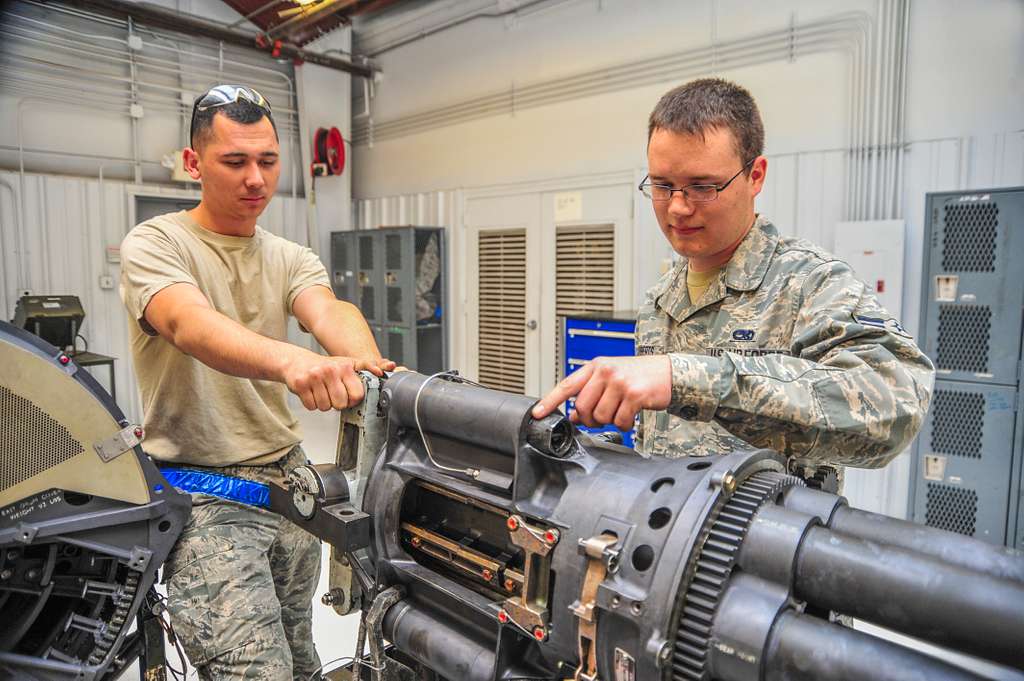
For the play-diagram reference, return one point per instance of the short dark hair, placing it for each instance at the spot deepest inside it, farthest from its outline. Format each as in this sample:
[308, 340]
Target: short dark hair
[706, 103]
[241, 111]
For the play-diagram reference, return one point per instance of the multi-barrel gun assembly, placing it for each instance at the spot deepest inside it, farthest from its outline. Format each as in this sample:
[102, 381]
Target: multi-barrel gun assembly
[483, 544]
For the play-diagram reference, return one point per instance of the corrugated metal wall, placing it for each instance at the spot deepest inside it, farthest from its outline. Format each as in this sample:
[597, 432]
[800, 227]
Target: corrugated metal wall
[60, 248]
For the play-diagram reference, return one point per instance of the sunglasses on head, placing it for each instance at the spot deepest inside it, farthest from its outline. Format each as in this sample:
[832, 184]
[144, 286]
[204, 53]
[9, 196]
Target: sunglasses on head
[222, 95]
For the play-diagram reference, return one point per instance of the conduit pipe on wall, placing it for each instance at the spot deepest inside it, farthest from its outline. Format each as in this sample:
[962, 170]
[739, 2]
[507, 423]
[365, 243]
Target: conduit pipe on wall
[287, 123]
[841, 32]
[52, 38]
[878, 61]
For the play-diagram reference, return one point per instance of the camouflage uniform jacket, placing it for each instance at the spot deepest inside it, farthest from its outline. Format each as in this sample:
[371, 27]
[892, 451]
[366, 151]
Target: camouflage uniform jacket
[786, 350]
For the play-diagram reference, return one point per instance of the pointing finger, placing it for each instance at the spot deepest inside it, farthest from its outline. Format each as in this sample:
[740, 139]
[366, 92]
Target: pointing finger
[568, 387]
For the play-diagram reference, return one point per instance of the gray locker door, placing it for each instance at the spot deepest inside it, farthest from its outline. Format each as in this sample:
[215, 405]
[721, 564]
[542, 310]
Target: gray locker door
[966, 446]
[973, 295]
[343, 267]
[369, 275]
[401, 344]
[399, 277]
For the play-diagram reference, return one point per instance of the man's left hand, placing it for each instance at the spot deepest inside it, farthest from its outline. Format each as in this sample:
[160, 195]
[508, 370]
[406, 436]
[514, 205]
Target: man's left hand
[613, 390]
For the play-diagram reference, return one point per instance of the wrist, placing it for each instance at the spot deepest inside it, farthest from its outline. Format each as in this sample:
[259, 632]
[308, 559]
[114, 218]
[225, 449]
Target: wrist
[285, 360]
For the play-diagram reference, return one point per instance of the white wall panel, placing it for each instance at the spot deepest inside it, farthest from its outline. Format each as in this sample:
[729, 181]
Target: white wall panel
[60, 248]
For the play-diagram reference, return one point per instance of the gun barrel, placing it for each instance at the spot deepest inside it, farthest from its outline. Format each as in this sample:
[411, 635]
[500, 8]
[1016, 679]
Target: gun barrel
[949, 547]
[912, 593]
[807, 648]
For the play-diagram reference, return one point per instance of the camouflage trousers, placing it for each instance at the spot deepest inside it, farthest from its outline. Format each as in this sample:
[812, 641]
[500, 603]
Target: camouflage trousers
[240, 584]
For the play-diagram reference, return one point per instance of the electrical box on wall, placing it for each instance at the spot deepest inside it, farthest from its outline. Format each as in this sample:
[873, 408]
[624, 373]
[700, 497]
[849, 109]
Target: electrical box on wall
[875, 249]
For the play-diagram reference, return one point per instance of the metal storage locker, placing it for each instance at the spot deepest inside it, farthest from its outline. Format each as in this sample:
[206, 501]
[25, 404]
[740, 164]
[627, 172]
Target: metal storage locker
[378, 271]
[968, 455]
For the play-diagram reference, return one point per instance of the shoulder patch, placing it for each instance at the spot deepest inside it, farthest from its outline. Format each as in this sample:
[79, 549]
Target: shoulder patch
[891, 324]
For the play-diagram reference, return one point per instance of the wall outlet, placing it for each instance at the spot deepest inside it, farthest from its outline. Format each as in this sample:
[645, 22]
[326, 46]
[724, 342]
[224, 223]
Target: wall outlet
[106, 281]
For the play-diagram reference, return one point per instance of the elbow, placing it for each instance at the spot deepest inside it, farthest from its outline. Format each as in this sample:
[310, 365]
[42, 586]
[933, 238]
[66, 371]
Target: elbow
[883, 439]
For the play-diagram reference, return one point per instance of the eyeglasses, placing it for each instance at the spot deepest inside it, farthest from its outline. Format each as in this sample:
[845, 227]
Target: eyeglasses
[695, 192]
[222, 95]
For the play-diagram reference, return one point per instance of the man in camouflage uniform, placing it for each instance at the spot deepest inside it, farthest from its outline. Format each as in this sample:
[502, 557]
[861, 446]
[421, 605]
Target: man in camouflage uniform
[752, 339]
[209, 293]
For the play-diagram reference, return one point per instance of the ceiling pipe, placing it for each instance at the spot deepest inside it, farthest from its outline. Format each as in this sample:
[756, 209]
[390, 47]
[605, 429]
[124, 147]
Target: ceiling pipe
[306, 17]
[158, 17]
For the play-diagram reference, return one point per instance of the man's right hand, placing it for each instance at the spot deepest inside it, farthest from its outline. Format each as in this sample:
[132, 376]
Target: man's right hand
[327, 383]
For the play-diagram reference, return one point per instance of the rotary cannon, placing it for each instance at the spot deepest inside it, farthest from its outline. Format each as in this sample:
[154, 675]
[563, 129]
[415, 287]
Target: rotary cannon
[507, 548]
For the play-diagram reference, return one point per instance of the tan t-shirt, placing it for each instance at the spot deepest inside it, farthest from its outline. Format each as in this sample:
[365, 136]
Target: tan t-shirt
[195, 414]
[699, 282]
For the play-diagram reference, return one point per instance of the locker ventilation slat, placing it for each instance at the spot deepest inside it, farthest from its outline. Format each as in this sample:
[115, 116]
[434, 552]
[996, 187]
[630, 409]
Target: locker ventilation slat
[951, 508]
[502, 319]
[963, 337]
[958, 420]
[970, 237]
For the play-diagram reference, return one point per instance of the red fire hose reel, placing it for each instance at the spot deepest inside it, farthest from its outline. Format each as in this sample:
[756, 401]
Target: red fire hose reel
[328, 152]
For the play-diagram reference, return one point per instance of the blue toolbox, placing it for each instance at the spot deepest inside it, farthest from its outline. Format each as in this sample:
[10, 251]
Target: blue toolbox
[601, 334]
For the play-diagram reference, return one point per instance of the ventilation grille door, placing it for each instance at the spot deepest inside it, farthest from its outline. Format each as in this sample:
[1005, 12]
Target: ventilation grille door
[584, 276]
[962, 480]
[972, 285]
[502, 318]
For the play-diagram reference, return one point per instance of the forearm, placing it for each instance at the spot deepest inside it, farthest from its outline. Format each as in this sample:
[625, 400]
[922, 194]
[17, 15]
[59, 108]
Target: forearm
[343, 331]
[225, 345]
[861, 407]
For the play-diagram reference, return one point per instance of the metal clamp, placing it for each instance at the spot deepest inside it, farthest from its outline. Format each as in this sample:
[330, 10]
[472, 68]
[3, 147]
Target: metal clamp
[528, 610]
[602, 558]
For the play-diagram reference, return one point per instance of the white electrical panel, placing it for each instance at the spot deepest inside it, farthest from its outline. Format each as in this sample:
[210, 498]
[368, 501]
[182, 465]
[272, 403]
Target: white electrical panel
[874, 249]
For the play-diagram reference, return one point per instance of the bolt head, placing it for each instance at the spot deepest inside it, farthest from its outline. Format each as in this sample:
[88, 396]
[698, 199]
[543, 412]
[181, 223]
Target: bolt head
[487, 575]
[64, 359]
[139, 432]
[503, 617]
[510, 584]
[551, 536]
[416, 541]
[540, 633]
[512, 523]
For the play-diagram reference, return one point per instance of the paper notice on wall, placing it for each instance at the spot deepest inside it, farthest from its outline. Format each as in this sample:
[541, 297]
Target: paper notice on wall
[568, 207]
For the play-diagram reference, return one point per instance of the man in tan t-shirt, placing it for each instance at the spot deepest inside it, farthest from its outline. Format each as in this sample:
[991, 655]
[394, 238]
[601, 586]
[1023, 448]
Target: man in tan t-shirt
[210, 293]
